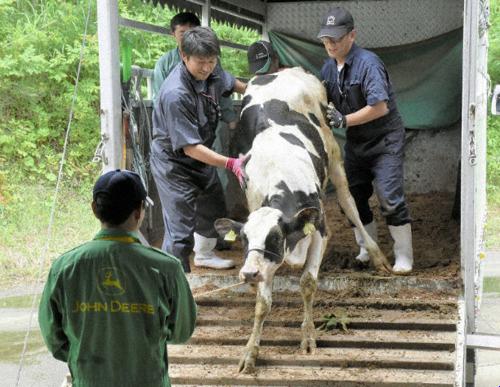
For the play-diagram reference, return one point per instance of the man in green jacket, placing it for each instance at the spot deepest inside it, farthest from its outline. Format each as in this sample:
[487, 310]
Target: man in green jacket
[110, 306]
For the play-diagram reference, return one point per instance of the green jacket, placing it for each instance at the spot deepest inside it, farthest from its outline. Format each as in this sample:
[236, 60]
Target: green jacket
[165, 65]
[110, 306]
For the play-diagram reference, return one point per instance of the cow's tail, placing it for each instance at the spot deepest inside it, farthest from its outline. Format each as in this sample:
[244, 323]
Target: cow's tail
[348, 205]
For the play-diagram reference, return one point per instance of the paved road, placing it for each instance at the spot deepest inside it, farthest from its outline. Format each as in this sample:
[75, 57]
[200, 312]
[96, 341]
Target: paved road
[488, 372]
[491, 264]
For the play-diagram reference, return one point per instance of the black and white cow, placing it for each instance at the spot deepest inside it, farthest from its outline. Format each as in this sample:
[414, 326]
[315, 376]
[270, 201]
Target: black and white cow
[290, 161]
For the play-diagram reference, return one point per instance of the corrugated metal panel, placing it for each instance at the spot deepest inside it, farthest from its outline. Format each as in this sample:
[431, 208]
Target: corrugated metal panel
[380, 23]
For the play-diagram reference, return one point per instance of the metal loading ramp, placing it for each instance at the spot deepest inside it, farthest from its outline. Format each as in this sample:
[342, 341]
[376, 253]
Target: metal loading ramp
[390, 340]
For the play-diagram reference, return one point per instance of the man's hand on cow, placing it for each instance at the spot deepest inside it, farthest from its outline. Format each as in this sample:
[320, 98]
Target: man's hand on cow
[335, 118]
[237, 167]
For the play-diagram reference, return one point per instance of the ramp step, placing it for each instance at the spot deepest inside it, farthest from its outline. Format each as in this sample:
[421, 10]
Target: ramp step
[353, 323]
[227, 375]
[427, 340]
[323, 357]
[373, 303]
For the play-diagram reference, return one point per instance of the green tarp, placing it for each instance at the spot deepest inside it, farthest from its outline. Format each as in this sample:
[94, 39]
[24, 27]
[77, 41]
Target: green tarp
[427, 76]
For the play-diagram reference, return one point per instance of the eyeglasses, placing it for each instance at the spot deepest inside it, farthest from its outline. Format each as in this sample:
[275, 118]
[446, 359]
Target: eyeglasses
[329, 40]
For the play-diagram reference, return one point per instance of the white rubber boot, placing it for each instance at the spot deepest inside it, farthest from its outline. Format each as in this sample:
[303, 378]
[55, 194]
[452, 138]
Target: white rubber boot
[204, 255]
[371, 229]
[403, 248]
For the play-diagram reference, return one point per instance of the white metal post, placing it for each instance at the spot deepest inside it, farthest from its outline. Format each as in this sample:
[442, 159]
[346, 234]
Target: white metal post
[265, 30]
[110, 89]
[473, 172]
[205, 14]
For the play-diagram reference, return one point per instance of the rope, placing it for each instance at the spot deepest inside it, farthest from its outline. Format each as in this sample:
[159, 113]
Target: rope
[219, 289]
[54, 201]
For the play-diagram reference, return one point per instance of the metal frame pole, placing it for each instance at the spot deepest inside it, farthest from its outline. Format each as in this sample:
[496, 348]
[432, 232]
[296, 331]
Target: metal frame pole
[206, 13]
[473, 173]
[110, 88]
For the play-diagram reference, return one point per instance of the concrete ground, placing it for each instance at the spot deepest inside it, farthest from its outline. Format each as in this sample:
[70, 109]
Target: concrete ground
[488, 362]
[41, 370]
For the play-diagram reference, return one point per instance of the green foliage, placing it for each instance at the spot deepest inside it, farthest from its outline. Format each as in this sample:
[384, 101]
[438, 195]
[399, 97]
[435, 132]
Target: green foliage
[148, 48]
[330, 321]
[24, 223]
[494, 42]
[493, 145]
[38, 63]
[491, 285]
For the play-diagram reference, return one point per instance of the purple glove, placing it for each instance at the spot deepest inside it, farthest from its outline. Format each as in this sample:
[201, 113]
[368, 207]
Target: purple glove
[236, 166]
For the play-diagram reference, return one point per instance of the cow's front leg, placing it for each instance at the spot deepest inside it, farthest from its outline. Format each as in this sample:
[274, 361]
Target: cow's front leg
[262, 308]
[308, 286]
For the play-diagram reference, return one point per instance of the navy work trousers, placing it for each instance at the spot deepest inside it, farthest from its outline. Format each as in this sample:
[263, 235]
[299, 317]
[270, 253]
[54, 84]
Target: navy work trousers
[378, 163]
[191, 201]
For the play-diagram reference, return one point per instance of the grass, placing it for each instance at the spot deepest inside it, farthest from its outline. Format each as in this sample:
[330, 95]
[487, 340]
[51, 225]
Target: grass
[492, 236]
[11, 346]
[24, 221]
[16, 302]
[491, 285]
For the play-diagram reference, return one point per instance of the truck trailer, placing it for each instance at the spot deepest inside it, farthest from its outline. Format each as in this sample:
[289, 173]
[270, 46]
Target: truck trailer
[416, 330]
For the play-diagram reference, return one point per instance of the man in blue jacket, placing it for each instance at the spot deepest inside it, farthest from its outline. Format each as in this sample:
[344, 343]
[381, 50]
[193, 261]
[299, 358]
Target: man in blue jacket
[363, 102]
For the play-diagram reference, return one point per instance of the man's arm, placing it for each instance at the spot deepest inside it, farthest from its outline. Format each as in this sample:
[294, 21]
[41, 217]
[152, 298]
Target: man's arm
[183, 317]
[239, 86]
[205, 155]
[158, 77]
[50, 321]
[362, 116]
[367, 114]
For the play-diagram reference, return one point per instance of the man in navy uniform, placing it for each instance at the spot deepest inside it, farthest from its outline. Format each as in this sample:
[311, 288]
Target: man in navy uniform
[185, 117]
[363, 102]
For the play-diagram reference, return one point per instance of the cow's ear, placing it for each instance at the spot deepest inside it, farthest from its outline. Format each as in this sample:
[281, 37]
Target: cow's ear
[304, 220]
[228, 228]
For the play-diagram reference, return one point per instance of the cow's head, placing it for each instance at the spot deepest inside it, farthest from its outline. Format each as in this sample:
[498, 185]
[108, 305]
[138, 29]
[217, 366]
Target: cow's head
[267, 237]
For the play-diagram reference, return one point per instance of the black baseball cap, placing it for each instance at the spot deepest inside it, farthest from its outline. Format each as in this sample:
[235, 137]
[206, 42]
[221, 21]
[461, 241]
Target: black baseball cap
[260, 56]
[336, 23]
[122, 187]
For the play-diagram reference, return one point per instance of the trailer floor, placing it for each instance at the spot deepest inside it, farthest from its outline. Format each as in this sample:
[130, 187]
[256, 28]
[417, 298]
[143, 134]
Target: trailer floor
[401, 331]
[436, 240]
[389, 341]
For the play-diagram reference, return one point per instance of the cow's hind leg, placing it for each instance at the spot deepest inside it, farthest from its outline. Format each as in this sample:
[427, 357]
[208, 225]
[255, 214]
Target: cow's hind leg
[308, 286]
[262, 308]
[349, 207]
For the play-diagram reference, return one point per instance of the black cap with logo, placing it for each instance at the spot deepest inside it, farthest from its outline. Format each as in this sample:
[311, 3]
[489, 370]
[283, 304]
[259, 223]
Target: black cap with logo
[336, 23]
[122, 187]
[260, 55]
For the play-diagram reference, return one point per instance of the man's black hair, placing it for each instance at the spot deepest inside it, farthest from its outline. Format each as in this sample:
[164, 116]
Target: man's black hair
[112, 212]
[184, 18]
[200, 41]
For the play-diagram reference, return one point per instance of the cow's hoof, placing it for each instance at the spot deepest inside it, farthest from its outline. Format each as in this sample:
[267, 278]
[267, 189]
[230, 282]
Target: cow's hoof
[382, 265]
[247, 365]
[308, 346]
